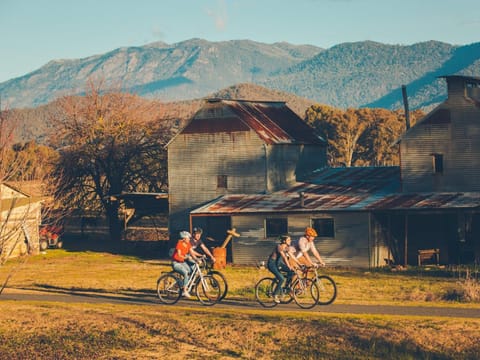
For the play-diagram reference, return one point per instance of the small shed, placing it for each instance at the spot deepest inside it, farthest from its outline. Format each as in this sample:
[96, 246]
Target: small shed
[334, 201]
[20, 219]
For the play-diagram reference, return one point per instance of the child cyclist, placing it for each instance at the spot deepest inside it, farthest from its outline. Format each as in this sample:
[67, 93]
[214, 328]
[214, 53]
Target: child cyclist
[279, 262]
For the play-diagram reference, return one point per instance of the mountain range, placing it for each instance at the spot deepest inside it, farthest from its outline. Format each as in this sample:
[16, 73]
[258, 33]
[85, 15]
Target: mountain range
[360, 74]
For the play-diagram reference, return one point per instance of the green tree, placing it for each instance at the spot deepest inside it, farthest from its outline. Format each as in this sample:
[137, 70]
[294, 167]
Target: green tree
[342, 129]
[360, 137]
[110, 142]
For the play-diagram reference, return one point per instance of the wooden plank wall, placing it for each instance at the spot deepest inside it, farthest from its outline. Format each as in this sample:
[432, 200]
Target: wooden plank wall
[350, 247]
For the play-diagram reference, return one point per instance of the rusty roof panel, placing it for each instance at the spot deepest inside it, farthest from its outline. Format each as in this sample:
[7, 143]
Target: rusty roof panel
[215, 125]
[427, 201]
[280, 119]
[274, 122]
[341, 189]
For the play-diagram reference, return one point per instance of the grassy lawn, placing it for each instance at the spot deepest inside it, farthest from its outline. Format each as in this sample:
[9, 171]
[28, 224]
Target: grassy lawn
[35, 330]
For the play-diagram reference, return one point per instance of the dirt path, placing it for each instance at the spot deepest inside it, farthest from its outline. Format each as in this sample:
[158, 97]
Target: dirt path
[428, 311]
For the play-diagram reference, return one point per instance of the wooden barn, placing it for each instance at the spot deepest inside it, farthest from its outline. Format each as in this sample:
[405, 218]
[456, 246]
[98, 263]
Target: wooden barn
[20, 218]
[232, 147]
[229, 169]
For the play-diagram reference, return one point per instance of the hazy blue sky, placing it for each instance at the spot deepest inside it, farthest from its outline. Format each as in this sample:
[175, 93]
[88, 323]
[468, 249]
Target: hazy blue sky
[33, 32]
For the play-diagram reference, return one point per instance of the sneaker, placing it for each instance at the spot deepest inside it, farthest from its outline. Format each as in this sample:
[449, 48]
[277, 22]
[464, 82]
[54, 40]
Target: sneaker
[276, 299]
[186, 294]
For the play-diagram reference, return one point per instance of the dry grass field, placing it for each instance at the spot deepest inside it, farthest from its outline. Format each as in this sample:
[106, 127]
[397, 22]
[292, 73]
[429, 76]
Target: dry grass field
[53, 330]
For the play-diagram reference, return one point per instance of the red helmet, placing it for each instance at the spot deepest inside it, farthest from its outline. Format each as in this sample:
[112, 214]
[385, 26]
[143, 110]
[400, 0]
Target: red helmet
[310, 232]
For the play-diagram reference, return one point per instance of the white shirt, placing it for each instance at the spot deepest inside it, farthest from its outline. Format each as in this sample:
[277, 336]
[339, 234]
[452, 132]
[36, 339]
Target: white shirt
[302, 246]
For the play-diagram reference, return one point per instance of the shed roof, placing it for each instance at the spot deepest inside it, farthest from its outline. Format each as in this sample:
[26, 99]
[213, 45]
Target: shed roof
[340, 189]
[7, 205]
[273, 121]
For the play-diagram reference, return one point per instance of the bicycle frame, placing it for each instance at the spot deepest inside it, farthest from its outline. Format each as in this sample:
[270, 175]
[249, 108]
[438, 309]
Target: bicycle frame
[326, 285]
[205, 287]
[203, 284]
[194, 276]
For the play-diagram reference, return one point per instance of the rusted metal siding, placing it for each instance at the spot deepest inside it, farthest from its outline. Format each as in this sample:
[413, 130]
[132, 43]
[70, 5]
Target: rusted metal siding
[349, 247]
[195, 161]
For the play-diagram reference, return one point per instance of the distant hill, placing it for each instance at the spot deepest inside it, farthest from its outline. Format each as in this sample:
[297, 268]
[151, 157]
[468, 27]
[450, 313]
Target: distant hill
[361, 74]
[182, 71]
[34, 122]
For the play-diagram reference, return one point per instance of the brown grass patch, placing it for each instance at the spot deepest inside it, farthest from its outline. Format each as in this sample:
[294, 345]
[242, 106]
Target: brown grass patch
[80, 331]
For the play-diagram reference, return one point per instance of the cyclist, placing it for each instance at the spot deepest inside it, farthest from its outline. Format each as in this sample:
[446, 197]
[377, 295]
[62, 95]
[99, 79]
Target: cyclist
[197, 242]
[181, 257]
[306, 244]
[278, 262]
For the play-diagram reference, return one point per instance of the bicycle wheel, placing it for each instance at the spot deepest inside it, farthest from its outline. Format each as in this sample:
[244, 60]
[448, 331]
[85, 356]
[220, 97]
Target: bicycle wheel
[264, 292]
[208, 290]
[305, 293]
[327, 288]
[222, 282]
[168, 288]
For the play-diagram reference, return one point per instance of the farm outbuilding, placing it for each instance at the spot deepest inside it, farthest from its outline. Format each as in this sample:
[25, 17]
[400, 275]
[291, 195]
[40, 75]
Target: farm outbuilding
[228, 170]
[20, 219]
[237, 146]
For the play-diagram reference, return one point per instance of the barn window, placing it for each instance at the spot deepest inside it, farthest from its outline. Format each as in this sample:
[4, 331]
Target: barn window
[437, 163]
[324, 227]
[275, 227]
[222, 181]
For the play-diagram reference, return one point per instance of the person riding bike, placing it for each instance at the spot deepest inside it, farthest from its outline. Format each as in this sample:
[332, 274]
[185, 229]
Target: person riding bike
[306, 244]
[278, 262]
[196, 241]
[183, 254]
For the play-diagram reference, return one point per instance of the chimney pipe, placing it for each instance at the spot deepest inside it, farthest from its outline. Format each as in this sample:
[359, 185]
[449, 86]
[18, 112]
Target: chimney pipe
[302, 199]
[405, 105]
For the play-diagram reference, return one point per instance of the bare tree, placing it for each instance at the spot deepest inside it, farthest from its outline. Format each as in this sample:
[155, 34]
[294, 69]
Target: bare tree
[19, 211]
[109, 143]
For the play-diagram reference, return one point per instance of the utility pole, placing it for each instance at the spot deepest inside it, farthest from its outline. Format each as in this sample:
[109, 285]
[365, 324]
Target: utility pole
[405, 105]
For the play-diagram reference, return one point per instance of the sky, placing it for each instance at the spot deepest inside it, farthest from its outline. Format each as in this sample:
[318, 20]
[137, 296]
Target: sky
[33, 32]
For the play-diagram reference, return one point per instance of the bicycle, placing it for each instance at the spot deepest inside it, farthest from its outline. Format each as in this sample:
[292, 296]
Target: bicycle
[207, 267]
[326, 285]
[207, 288]
[303, 290]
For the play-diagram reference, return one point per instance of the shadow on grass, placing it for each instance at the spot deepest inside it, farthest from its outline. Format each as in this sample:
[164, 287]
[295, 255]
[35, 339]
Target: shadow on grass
[144, 250]
[137, 295]
[145, 296]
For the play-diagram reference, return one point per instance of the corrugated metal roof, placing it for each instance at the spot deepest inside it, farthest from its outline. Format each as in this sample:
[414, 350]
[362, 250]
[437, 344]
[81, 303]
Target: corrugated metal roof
[341, 189]
[419, 201]
[274, 122]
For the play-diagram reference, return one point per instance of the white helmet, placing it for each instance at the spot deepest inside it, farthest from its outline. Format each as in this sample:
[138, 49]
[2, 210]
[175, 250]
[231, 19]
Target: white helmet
[185, 234]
